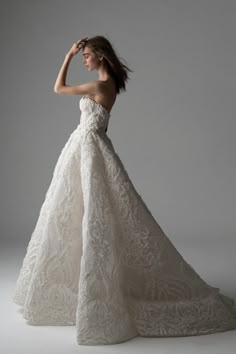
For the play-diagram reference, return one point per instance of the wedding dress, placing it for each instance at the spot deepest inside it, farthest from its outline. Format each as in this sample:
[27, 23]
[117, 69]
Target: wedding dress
[97, 259]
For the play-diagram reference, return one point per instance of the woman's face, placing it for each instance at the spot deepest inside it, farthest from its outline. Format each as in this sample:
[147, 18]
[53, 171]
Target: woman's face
[89, 59]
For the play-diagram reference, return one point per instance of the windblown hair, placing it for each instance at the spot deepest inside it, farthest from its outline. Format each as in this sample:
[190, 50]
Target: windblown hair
[113, 64]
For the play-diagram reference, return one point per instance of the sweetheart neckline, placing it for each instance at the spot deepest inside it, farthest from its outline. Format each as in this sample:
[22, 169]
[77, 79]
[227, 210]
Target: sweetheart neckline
[99, 104]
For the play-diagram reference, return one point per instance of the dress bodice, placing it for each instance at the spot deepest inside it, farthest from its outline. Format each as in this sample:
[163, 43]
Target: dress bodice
[94, 116]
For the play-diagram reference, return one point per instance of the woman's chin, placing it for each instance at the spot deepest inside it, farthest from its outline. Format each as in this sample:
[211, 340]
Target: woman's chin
[89, 68]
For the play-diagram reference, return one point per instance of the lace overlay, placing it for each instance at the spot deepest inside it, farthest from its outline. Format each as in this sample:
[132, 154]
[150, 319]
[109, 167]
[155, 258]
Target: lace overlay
[98, 259]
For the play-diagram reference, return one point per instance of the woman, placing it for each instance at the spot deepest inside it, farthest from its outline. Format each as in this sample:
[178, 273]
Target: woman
[97, 258]
[99, 55]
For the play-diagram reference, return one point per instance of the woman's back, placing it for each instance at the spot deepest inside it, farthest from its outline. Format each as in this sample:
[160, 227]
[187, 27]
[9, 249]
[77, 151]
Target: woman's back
[106, 95]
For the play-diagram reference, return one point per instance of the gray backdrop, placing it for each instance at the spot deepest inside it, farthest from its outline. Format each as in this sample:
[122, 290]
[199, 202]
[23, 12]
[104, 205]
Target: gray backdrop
[174, 128]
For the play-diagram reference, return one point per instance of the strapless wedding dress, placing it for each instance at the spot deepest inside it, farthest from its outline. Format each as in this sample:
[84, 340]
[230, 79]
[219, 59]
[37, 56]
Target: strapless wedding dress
[97, 259]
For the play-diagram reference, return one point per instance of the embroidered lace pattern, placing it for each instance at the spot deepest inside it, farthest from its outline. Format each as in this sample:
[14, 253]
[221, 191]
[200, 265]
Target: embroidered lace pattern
[97, 259]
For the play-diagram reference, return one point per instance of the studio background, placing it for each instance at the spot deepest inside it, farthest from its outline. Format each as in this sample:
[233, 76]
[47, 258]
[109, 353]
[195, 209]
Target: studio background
[174, 128]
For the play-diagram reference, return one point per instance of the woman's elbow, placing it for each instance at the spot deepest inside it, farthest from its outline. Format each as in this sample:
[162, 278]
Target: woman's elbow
[56, 89]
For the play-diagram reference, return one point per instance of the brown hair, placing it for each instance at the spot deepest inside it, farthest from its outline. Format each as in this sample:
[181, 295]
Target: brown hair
[113, 64]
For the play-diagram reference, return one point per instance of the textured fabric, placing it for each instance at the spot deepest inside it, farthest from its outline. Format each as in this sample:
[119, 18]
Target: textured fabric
[98, 259]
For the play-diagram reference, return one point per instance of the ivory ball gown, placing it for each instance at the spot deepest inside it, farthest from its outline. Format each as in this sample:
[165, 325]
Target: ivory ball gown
[97, 259]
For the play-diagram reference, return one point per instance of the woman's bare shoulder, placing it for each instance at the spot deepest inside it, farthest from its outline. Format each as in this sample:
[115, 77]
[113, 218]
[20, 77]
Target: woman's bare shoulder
[106, 94]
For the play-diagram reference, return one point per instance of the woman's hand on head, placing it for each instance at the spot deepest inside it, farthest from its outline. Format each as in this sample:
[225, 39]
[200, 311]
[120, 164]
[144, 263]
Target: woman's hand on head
[77, 46]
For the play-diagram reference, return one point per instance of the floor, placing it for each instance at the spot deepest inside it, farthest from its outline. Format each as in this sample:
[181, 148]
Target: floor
[216, 266]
